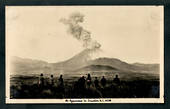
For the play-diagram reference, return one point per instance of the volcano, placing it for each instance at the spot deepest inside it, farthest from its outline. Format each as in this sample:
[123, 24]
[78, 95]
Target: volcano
[81, 62]
[75, 62]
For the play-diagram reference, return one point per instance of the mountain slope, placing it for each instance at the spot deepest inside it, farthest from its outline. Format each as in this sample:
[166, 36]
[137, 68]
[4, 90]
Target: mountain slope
[81, 61]
[97, 68]
[23, 65]
[75, 62]
[123, 66]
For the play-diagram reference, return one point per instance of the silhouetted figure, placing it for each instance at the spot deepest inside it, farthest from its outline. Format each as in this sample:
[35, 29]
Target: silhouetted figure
[61, 80]
[88, 80]
[81, 82]
[41, 80]
[61, 88]
[103, 81]
[96, 82]
[23, 92]
[52, 80]
[116, 80]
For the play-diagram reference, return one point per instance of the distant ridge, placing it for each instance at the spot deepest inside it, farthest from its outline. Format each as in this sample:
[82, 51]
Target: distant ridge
[79, 62]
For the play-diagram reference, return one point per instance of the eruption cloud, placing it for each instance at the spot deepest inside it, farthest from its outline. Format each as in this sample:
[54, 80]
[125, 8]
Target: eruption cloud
[78, 32]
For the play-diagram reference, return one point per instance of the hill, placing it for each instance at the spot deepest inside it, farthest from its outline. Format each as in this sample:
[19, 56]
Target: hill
[97, 68]
[26, 66]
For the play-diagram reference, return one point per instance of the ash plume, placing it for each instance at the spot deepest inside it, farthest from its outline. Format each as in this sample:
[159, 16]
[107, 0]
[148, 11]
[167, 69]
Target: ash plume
[78, 32]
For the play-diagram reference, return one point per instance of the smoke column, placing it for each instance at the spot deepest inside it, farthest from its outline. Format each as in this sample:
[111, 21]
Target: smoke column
[78, 32]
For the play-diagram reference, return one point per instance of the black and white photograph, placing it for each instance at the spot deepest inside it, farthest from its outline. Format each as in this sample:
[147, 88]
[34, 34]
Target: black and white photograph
[84, 54]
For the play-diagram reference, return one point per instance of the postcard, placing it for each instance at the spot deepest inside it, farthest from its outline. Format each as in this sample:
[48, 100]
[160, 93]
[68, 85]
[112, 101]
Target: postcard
[84, 54]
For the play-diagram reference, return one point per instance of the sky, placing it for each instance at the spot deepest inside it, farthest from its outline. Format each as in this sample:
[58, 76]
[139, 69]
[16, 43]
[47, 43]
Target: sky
[129, 33]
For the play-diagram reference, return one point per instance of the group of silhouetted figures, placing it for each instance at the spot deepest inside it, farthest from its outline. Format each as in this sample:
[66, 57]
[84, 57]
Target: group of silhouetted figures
[42, 80]
[83, 87]
[57, 88]
[82, 82]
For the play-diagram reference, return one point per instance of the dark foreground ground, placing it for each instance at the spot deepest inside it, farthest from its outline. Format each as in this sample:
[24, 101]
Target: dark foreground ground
[28, 87]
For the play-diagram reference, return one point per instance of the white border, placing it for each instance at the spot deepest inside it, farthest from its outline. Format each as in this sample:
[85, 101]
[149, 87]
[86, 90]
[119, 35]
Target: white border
[100, 100]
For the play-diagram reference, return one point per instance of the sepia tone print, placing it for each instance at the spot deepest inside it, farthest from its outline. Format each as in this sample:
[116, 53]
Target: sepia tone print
[84, 54]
